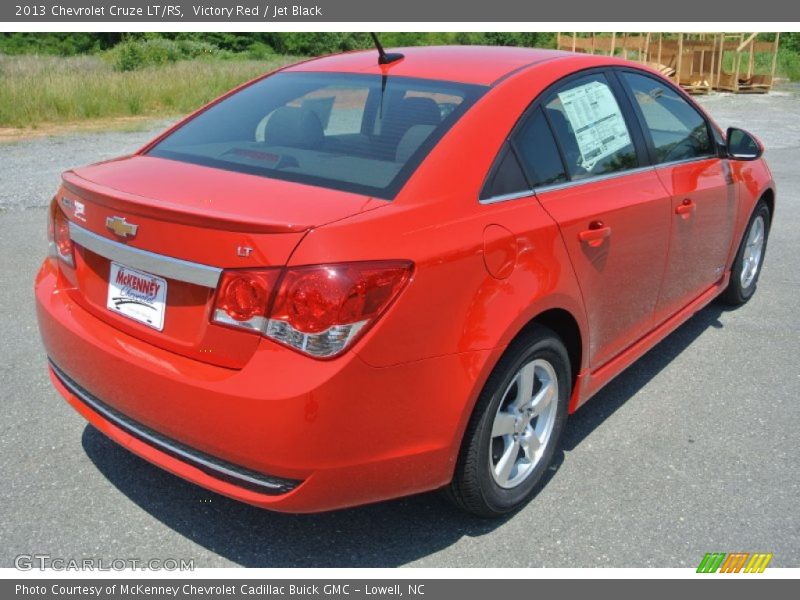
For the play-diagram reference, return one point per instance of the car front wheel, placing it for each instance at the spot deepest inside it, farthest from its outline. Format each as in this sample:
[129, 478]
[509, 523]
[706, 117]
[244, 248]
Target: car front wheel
[747, 264]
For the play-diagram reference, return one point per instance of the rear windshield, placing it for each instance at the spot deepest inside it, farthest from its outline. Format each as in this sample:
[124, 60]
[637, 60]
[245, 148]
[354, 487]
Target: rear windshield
[359, 133]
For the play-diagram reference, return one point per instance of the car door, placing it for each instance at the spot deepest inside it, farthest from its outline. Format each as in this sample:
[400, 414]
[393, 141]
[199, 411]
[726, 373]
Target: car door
[610, 205]
[699, 183]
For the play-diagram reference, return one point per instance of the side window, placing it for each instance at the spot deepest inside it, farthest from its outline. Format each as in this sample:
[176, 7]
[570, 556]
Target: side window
[538, 151]
[506, 177]
[590, 128]
[678, 131]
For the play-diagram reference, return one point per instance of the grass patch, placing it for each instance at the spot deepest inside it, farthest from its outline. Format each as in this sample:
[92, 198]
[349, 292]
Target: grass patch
[153, 78]
[40, 90]
[787, 66]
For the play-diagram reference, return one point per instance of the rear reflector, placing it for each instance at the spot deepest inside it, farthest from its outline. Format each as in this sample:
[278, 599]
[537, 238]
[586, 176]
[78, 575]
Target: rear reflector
[319, 310]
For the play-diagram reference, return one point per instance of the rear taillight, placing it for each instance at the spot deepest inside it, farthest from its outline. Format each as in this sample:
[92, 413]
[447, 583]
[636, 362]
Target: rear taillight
[319, 310]
[243, 298]
[58, 238]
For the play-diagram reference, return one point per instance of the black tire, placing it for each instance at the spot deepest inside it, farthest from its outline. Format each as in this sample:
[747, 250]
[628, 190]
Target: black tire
[473, 487]
[736, 293]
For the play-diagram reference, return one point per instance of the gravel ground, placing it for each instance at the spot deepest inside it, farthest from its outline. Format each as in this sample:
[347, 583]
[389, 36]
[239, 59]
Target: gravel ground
[694, 449]
[35, 166]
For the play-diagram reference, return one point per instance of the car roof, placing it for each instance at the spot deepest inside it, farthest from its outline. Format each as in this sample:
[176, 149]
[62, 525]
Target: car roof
[482, 65]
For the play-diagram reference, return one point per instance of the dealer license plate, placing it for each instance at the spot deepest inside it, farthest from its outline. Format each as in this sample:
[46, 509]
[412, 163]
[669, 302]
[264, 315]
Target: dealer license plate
[137, 295]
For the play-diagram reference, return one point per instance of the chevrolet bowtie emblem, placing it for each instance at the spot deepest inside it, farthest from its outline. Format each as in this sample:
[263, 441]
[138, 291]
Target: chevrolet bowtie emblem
[121, 227]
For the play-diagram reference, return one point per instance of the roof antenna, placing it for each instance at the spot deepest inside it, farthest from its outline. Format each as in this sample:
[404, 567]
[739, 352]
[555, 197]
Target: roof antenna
[383, 57]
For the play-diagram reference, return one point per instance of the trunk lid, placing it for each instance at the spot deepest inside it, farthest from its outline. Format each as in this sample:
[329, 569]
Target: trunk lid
[183, 224]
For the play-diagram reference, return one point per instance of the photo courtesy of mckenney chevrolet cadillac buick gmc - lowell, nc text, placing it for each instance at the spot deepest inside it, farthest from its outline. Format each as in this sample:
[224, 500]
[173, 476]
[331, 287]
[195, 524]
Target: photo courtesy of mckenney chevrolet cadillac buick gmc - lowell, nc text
[375, 274]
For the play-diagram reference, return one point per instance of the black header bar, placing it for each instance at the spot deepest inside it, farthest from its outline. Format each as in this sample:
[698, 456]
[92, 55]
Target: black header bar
[450, 11]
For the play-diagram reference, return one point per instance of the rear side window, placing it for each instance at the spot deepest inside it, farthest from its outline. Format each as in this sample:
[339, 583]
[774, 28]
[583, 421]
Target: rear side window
[677, 130]
[360, 133]
[590, 128]
[538, 151]
[506, 177]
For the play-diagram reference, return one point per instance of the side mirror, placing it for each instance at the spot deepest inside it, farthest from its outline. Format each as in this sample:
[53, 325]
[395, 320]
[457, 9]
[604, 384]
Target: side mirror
[741, 145]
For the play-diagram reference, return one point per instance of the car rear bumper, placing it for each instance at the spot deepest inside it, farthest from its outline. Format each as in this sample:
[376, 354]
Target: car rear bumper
[286, 432]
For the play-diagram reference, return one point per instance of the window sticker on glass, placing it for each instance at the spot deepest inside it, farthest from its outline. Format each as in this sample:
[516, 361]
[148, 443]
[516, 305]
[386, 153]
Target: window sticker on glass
[596, 120]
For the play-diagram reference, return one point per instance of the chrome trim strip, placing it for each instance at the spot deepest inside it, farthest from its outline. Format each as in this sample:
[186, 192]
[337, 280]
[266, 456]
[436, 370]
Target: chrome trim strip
[564, 185]
[577, 182]
[150, 262]
[685, 161]
[595, 178]
[507, 197]
[164, 444]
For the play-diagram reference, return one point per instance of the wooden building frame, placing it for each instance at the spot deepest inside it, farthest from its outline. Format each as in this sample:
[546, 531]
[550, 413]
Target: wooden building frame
[695, 61]
[743, 77]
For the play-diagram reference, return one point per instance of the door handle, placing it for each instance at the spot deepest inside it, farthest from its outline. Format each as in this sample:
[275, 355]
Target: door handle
[595, 235]
[685, 208]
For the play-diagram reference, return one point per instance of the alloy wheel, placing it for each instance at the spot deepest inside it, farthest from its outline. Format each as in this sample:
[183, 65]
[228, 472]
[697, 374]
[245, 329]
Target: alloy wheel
[753, 249]
[523, 423]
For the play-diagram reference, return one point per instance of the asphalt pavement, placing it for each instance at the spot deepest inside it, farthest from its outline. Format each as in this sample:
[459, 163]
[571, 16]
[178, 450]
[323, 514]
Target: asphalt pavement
[694, 449]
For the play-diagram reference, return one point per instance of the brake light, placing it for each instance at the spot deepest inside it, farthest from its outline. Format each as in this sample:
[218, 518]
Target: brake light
[59, 240]
[319, 310]
[243, 298]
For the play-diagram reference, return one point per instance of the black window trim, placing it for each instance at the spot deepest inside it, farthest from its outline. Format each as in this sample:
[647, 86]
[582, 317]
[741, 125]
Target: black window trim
[632, 121]
[561, 154]
[717, 151]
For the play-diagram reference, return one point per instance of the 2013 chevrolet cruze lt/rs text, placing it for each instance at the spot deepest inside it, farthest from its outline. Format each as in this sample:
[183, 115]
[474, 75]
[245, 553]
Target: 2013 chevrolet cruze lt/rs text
[353, 279]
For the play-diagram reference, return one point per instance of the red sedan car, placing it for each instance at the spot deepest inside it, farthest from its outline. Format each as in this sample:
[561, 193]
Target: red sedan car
[356, 279]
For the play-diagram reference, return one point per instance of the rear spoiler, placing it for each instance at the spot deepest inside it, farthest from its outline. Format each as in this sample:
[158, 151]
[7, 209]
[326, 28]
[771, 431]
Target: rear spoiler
[174, 213]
